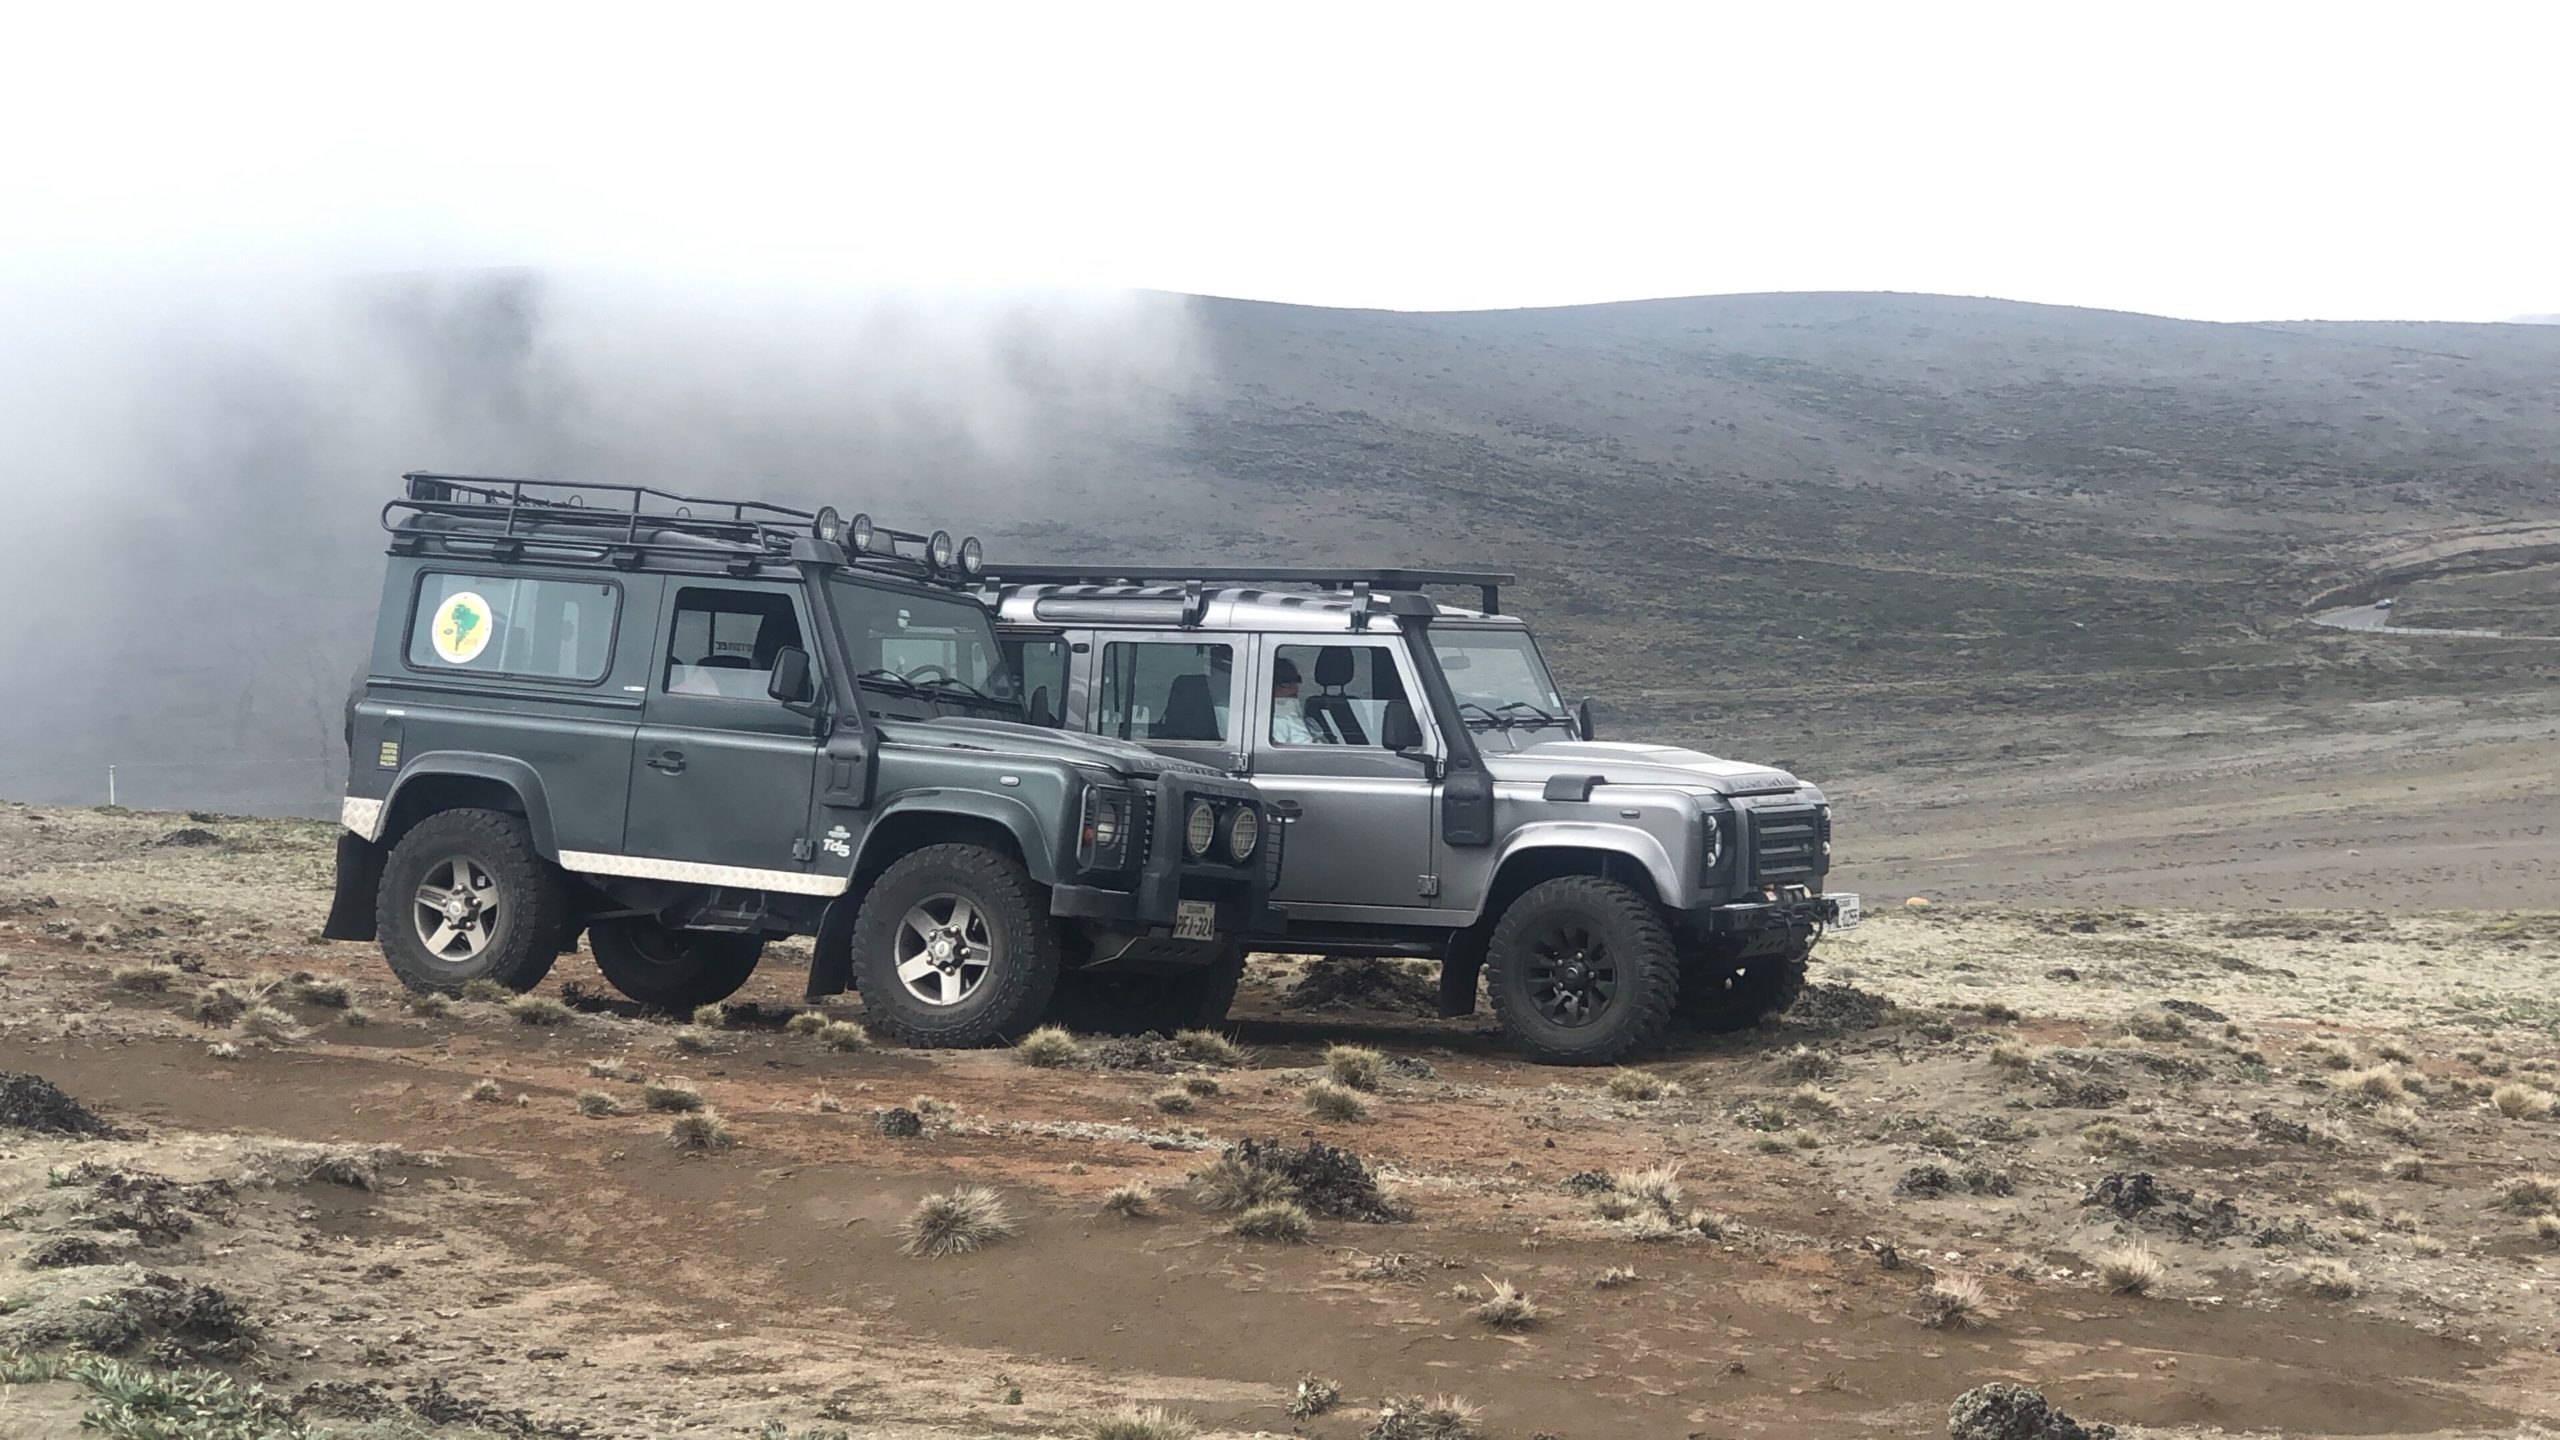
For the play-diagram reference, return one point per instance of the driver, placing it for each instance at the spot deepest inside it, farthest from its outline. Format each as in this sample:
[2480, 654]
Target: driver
[1288, 715]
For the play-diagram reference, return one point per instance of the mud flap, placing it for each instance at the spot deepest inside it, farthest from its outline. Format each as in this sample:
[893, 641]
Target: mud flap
[351, 909]
[831, 958]
[1459, 970]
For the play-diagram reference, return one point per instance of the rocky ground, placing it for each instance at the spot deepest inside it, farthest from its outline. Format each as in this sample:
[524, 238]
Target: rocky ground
[2184, 1171]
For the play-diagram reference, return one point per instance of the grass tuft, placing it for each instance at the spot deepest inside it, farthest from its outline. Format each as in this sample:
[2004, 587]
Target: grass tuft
[2546, 1228]
[691, 1040]
[266, 1022]
[143, 979]
[1228, 1183]
[1049, 1048]
[700, 1130]
[2534, 1194]
[1329, 1099]
[598, 1102]
[670, 1097]
[1813, 1100]
[1356, 1066]
[1133, 1201]
[356, 1017]
[2379, 1084]
[826, 1103]
[1954, 1302]
[2519, 1101]
[487, 991]
[844, 1035]
[1442, 1417]
[1636, 1085]
[1203, 1086]
[1175, 1101]
[540, 1010]
[1314, 1396]
[1285, 1221]
[2131, 1269]
[1154, 1422]
[1616, 1277]
[807, 1022]
[711, 1016]
[955, 1223]
[487, 1092]
[1207, 1047]
[2409, 1167]
[2328, 1279]
[428, 1004]
[607, 1070]
[325, 993]
[1806, 1063]
[2400, 1122]
[2354, 1204]
[1506, 1308]
[1656, 1187]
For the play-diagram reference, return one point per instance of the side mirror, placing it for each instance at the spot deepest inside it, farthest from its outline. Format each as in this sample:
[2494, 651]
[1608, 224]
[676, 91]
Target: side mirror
[790, 682]
[1582, 719]
[1398, 729]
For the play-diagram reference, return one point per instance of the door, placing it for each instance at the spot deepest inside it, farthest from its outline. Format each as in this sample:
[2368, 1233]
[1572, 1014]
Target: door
[724, 773]
[1334, 729]
[1174, 693]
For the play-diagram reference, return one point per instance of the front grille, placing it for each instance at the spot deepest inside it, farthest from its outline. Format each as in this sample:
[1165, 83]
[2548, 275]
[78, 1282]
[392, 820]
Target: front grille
[1786, 846]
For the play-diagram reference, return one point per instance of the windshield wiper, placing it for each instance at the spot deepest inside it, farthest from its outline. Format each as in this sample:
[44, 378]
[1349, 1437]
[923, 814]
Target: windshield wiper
[891, 679]
[1484, 717]
[954, 682]
[1545, 716]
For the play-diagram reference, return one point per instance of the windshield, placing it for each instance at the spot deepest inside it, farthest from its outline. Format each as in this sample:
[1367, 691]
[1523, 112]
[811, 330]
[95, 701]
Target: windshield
[924, 645]
[1498, 678]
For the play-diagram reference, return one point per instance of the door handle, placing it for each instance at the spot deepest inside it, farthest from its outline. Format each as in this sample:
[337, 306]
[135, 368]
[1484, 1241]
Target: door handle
[670, 762]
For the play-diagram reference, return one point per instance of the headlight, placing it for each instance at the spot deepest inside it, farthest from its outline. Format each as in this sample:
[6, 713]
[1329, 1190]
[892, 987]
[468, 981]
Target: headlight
[1199, 829]
[1105, 840]
[1244, 832]
[1713, 852]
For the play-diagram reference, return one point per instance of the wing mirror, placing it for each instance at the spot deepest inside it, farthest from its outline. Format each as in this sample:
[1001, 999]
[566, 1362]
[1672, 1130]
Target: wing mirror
[790, 681]
[1582, 720]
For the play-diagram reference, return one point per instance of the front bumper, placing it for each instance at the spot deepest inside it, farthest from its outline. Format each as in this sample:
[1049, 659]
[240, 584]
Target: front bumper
[1795, 909]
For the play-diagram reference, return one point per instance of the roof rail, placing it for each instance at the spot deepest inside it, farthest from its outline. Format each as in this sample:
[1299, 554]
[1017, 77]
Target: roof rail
[1488, 583]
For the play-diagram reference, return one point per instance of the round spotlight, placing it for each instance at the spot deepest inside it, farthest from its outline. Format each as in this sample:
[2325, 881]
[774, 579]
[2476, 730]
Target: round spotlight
[938, 551]
[829, 525]
[1244, 833]
[860, 530]
[1199, 828]
[973, 557]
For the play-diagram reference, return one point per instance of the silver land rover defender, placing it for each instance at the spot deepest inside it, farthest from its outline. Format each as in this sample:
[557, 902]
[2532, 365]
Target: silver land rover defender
[1449, 804]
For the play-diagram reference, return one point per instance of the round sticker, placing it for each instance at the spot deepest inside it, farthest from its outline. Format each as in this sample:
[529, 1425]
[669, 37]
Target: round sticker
[462, 628]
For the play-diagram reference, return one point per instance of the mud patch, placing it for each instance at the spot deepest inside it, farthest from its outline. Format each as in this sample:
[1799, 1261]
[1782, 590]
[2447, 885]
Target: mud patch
[1338, 982]
[31, 1102]
[1833, 1006]
[1325, 1178]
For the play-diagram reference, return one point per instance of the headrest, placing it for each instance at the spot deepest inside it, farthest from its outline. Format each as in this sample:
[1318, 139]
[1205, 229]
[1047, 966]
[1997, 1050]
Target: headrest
[1334, 666]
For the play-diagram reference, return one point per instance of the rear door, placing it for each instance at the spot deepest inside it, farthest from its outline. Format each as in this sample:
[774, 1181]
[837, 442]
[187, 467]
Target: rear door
[725, 775]
[1172, 691]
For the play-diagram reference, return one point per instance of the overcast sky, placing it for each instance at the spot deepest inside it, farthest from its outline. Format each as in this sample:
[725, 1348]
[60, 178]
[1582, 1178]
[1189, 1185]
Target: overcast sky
[2226, 161]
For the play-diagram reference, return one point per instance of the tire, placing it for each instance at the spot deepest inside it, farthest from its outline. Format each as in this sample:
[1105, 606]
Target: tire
[669, 969]
[1161, 1003]
[1624, 1002]
[998, 983]
[513, 904]
[1716, 999]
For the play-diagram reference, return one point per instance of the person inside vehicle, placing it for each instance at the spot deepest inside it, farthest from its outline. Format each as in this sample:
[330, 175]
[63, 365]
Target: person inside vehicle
[1289, 723]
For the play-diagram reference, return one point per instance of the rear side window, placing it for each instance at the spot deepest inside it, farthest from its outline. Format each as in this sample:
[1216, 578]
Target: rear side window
[519, 625]
[1161, 691]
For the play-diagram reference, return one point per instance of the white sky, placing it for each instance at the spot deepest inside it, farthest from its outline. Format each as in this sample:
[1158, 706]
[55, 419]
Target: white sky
[2223, 161]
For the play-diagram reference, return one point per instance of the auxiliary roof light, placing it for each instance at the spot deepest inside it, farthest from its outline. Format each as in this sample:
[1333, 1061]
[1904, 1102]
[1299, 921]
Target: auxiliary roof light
[938, 551]
[829, 525]
[973, 558]
[861, 532]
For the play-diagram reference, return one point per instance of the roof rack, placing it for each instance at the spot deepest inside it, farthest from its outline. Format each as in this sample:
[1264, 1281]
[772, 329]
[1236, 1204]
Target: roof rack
[627, 526]
[1487, 583]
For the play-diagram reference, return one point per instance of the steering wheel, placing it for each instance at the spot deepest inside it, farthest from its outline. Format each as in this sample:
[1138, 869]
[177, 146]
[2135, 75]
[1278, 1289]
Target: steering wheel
[918, 674]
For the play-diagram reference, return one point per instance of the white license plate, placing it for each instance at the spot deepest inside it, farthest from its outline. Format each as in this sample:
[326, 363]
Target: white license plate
[1195, 920]
[1844, 911]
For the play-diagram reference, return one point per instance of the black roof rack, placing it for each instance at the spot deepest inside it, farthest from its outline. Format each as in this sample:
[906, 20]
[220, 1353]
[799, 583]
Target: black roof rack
[629, 526]
[1488, 583]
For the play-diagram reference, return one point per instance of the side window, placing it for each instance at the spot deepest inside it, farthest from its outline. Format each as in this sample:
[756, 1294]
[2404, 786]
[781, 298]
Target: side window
[1340, 695]
[1162, 690]
[514, 625]
[1042, 666]
[723, 642]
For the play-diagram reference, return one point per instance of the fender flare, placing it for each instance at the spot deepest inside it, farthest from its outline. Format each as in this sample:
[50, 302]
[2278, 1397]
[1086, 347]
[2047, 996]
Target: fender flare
[506, 770]
[1644, 849]
[1037, 855]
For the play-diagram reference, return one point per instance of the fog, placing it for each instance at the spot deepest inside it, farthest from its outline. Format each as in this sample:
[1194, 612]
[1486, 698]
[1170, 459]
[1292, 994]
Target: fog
[196, 466]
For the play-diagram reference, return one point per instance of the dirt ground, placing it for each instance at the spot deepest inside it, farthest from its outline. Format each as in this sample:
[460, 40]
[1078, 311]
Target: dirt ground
[2325, 1114]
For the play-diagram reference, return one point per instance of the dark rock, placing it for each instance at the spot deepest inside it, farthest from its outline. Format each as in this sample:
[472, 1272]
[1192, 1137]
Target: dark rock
[2194, 1011]
[189, 838]
[2062, 972]
[1589, 1182]
[31, 1102]
[898, 1122]
[2014, 1412]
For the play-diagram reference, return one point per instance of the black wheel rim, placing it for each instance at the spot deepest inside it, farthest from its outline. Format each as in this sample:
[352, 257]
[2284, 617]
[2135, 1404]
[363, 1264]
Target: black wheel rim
[1572, 978]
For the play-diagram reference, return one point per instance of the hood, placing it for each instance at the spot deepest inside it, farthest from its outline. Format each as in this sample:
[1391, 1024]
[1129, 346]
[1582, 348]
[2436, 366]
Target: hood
[1013, 737]
[1619, 762]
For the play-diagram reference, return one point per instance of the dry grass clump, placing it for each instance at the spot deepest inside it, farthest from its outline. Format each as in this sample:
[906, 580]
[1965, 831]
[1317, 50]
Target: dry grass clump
[2401, 1122]
[807, 1022]
[223, 1050]
[1954, 1302]
[266, 1022]
[670, 1097]
[2354, 1204]
[486, 991]
[2394, 1051]
[487, 1092]
[598, 1102]
[1630, 1084]
[1133, 1201]
[355, 1169]
[1228, 1183]
[2428, 1247]
[1314, 1396]
[607, 1070]
[356, 1017]
[2155, 1027]
[542, 1010]
[2328, 1279]
[1152, 1422]
[690, 1040]
[700, 1130]
[2016, 1055]
[955, 1223]
[2131, 1269]
[1442, 1417]
[1201, 1085]
[2534, 1194]
[224, 1001]
[428, 1004]
[2376, 1083]
[142, 979]
[2409, 1167]
[1356, 1066]
[2108, 1138]
[1207, 1047]
[1813, 1100]
[1174, 1101]
[1285, 1221]
[1049, 1048]
[325, 993]
[1806, 1063]
[1506, 1308]
[1656, 1187]
[711, 1016]
[1328, 1099]
[2328, 1054]
[844, 1035]
[826, 1103]
[2519, 1101]
[2546, 1228]
[1616, 1277]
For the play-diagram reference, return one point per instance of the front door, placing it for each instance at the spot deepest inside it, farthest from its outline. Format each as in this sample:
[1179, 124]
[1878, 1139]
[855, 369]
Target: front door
[1333, 728]
[724, 773]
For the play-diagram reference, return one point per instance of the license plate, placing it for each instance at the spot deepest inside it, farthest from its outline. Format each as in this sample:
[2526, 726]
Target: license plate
[1844, 911]
[1195, 920]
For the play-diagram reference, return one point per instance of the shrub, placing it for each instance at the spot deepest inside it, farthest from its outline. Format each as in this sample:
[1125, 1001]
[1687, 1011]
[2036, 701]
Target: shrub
[2534, 1194]
[356, 1017]
[1635, 1085]
[1356, 1066]
[1049, 1048]
[1201, 1085]
[540, 1010]
[2014, 1055]
[1954, 1302]
[670, 1097]
[2425, 1247]
[1442, 1417]
[2546, 1228]
[1314, 1396]
[955, 1223]
[327, 994]
[2409, 1167]
[487, 991]
[711, 1016]
[1151, 1423]
[1506, 1308]
[598, 1102]
[2400, 1122]
[2393, 1050]
[2377, 1083]
[606, 1070]
[1806, 1063]
[690, 1040]
[1207, 1047]
[266, 1022]
[1283, 1220]
[142, 979]
[2519, 1101]
[807, 1022]
[2328, 1279]
[1174, 1101]
[487, 1092]
[1813, 1100]
[2354, 1204]
[1657, 1187]
[700, 1130]
[2131, 1269]
[428, 1004]
[844, 1035]
[1335, 1101]
[1133, 1201]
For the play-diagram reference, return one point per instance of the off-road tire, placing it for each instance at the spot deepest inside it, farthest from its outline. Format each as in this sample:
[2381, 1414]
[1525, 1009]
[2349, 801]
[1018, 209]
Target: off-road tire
[1163, 1002]
[669, 969]
[1715, 1000]
[533, 902]
[1020, 978]
[1633, 937]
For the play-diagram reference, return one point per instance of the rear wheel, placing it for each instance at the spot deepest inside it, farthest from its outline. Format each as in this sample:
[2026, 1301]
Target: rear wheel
[464, 897]
[1721, 993]
[1582, 972]
[669, 969]
[954, 948]
[1162, 1003]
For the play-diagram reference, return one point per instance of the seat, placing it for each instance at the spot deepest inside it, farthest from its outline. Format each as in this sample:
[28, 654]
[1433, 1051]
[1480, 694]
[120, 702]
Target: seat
[1038, 710]
[1331, 710]
[1190, 713]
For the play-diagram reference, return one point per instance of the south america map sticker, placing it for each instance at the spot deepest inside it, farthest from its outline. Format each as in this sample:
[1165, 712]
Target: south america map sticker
[462, 627]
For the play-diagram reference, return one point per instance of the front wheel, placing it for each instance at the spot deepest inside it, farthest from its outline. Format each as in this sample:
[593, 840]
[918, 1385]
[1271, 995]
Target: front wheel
[1160, 1003]
[1582, 972]
[464, 897]
[669, 969]
[953, 948]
